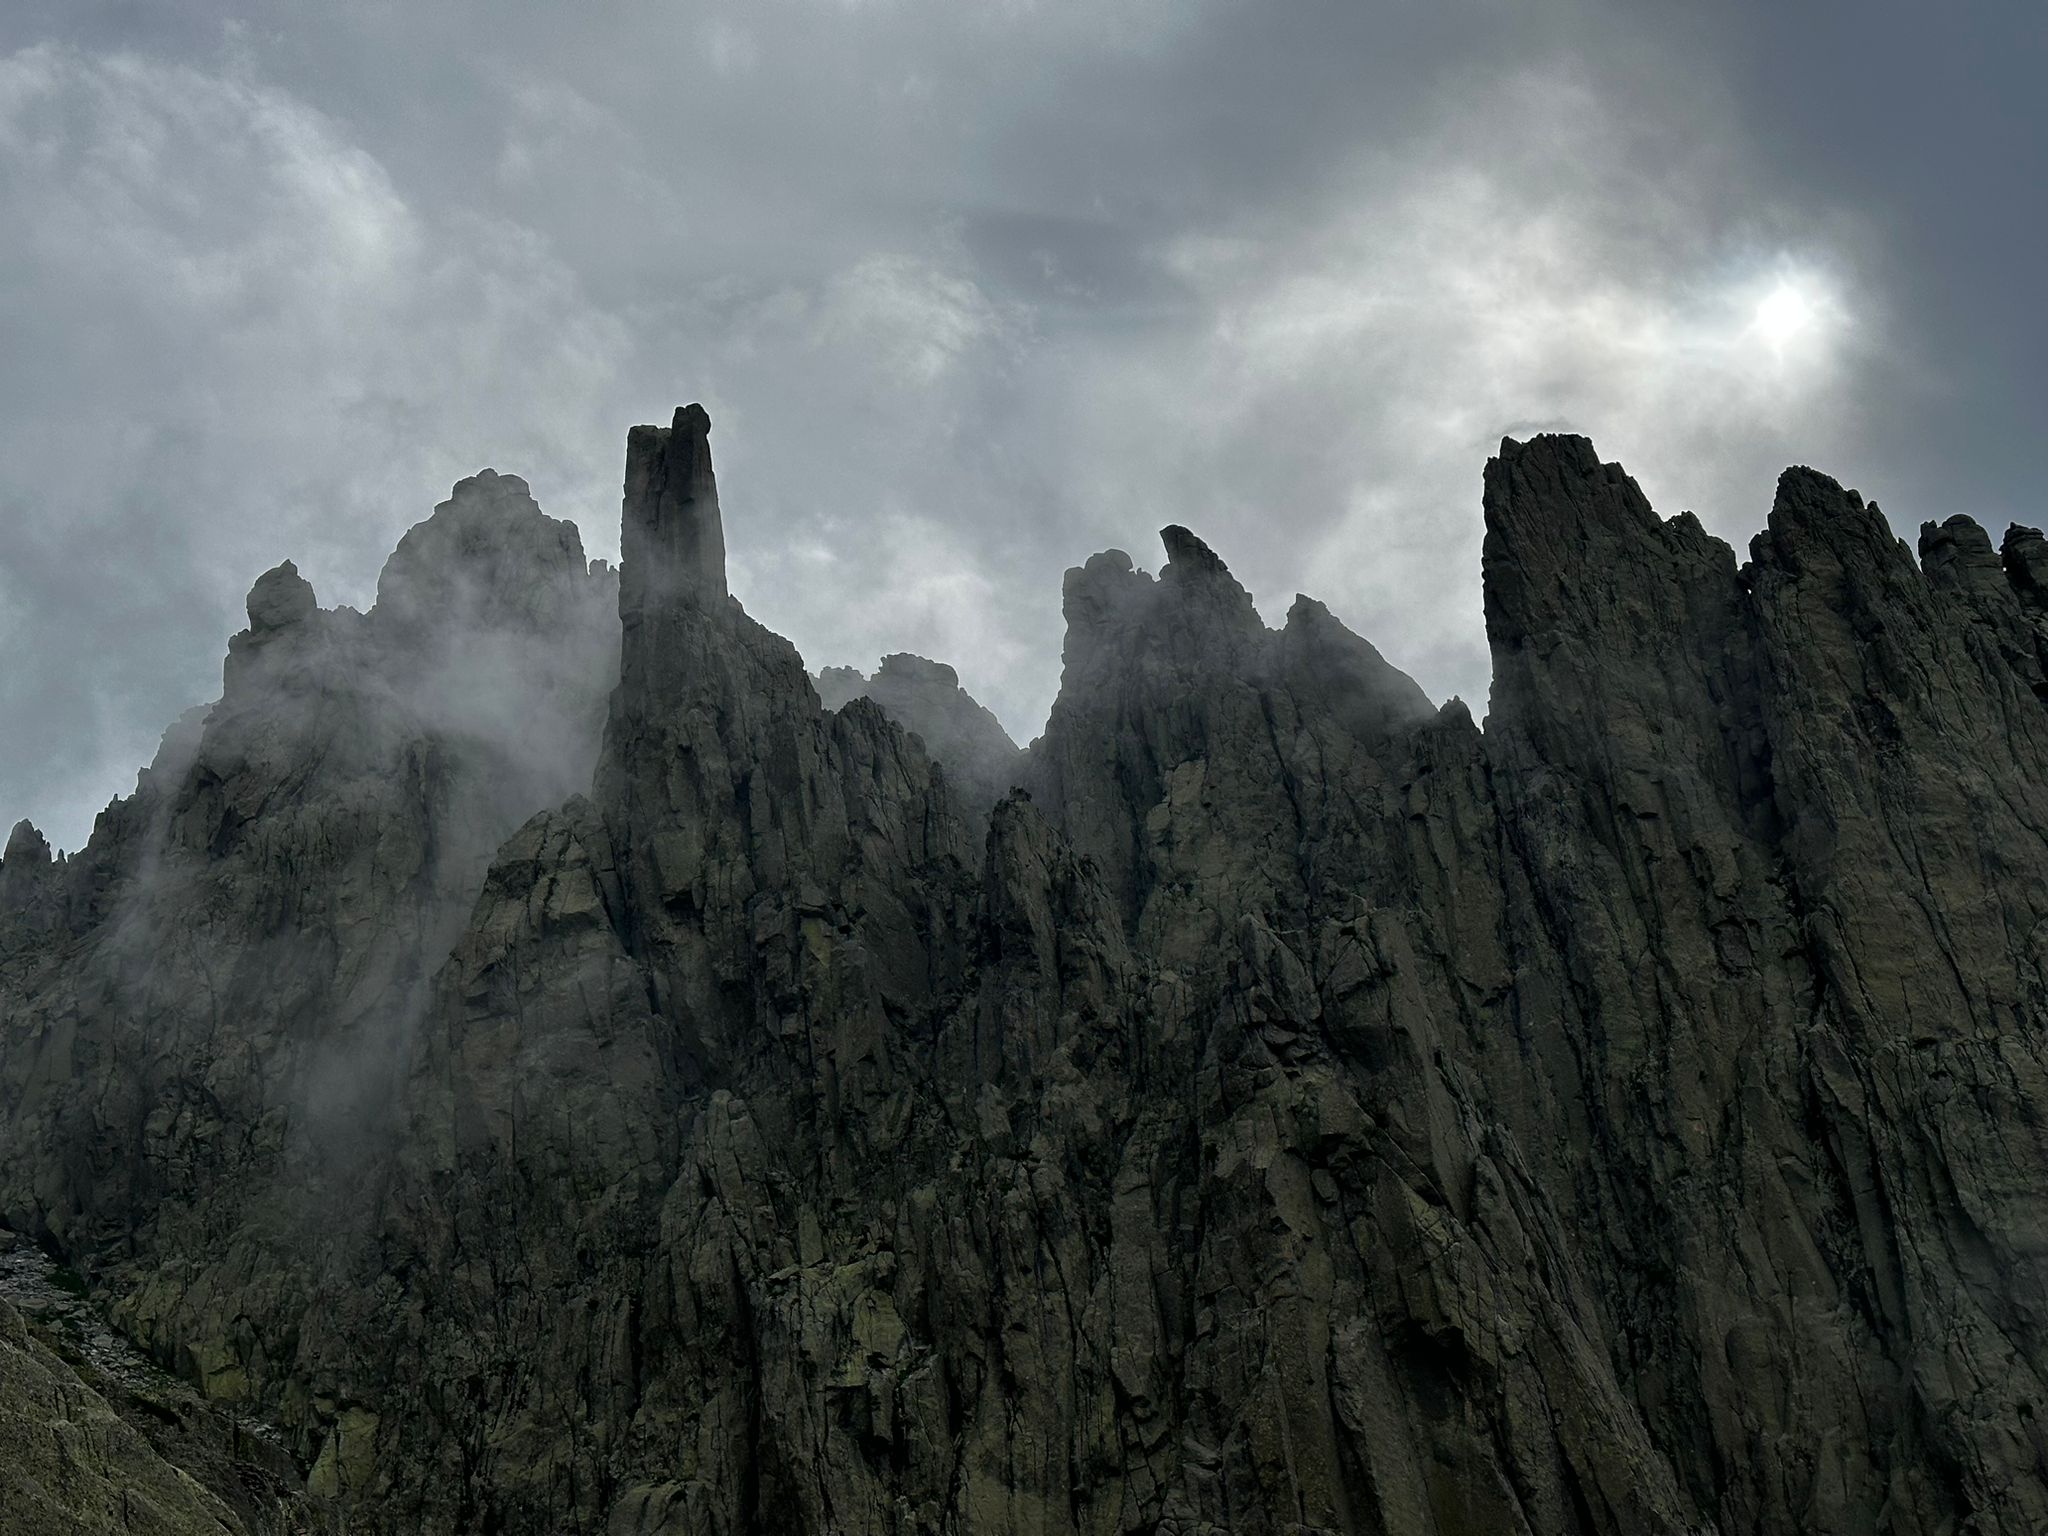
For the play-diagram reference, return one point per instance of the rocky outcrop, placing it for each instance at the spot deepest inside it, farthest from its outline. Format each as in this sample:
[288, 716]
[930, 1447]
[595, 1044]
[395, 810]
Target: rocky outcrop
[97, 1440]
[201, 1052]
[742, 1102]
[926, 699]
[71, 1463]
[28, 908]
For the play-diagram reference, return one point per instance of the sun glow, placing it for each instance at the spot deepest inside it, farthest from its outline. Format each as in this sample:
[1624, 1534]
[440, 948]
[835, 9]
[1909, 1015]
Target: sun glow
[1783, 314]
[1793, 314]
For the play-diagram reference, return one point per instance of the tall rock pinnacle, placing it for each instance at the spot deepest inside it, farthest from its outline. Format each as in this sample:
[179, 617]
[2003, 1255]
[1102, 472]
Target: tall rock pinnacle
[671, 538]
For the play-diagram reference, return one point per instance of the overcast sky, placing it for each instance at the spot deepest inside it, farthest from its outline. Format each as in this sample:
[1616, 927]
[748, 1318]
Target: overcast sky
[971, 291]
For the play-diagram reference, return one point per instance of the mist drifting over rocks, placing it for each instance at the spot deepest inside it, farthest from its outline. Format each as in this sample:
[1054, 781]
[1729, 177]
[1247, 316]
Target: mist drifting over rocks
[567, 1068]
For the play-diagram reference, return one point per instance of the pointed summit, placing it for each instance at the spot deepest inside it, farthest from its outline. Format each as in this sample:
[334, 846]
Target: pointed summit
[672, 540]
[1569, 543]
[25, 846]
[1817, 527]
[23, 868]
[1957, 553]
[1186, 553]
[1196, 581]
[280, 599]
[487, 558]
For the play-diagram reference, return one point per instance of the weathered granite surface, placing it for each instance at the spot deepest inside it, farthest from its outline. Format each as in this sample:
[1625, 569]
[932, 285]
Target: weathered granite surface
[94, 1439]
[581, 1073]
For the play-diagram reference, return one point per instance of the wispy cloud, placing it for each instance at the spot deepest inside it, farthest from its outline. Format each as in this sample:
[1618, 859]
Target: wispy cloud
[971, 291]
[248, 345]
[1515, 265]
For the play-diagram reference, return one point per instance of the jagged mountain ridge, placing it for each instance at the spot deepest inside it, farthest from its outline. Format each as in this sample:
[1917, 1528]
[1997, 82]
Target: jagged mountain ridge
[1300, 1111]
[926, 697]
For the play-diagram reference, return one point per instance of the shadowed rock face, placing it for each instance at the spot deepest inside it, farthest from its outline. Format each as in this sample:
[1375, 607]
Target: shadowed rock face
[1292, 1110]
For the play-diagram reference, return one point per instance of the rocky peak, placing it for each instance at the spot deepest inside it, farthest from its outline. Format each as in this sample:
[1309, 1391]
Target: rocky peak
[26, 848]
[925, 698]
[1958, 553]
[31, 903]
[900, 669]
[839, 686]
[1567, 539]
[1188, 558]
[1606, 623]
[1345, 673]
[1209, 600]
[1101, 600]
[672, 542]
[1828, 564]
[286, 630]
[1817, 524]
[488, 558]
[1169, 755]
[1959, 563]
[680, 628]
[1193, 617]
[281, 599]
[743, 817]
[2024, 557]
[2024, 554]
[23, 868]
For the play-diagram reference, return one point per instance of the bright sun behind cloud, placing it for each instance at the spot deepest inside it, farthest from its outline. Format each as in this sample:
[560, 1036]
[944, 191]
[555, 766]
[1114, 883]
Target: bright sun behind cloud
[1783, 313]
[1793, 314]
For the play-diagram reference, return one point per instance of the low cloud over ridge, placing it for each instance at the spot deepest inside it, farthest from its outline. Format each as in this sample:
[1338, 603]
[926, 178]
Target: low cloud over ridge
[971, 293]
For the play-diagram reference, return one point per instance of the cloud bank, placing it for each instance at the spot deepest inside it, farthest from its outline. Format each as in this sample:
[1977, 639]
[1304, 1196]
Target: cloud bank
[970, 292]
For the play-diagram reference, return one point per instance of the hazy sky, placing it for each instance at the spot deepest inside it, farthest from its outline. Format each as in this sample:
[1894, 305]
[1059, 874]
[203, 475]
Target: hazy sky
[971, 290]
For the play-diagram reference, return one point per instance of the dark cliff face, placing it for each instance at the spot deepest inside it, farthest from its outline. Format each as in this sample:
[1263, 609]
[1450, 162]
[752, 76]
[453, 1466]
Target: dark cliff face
[701, 1109]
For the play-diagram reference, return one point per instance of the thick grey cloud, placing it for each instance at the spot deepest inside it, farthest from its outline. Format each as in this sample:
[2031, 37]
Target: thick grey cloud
[971, 291]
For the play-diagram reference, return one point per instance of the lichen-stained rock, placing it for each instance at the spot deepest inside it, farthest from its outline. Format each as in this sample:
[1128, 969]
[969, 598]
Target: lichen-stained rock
[68, 1462]
[83, 1450]
[745, 1103]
